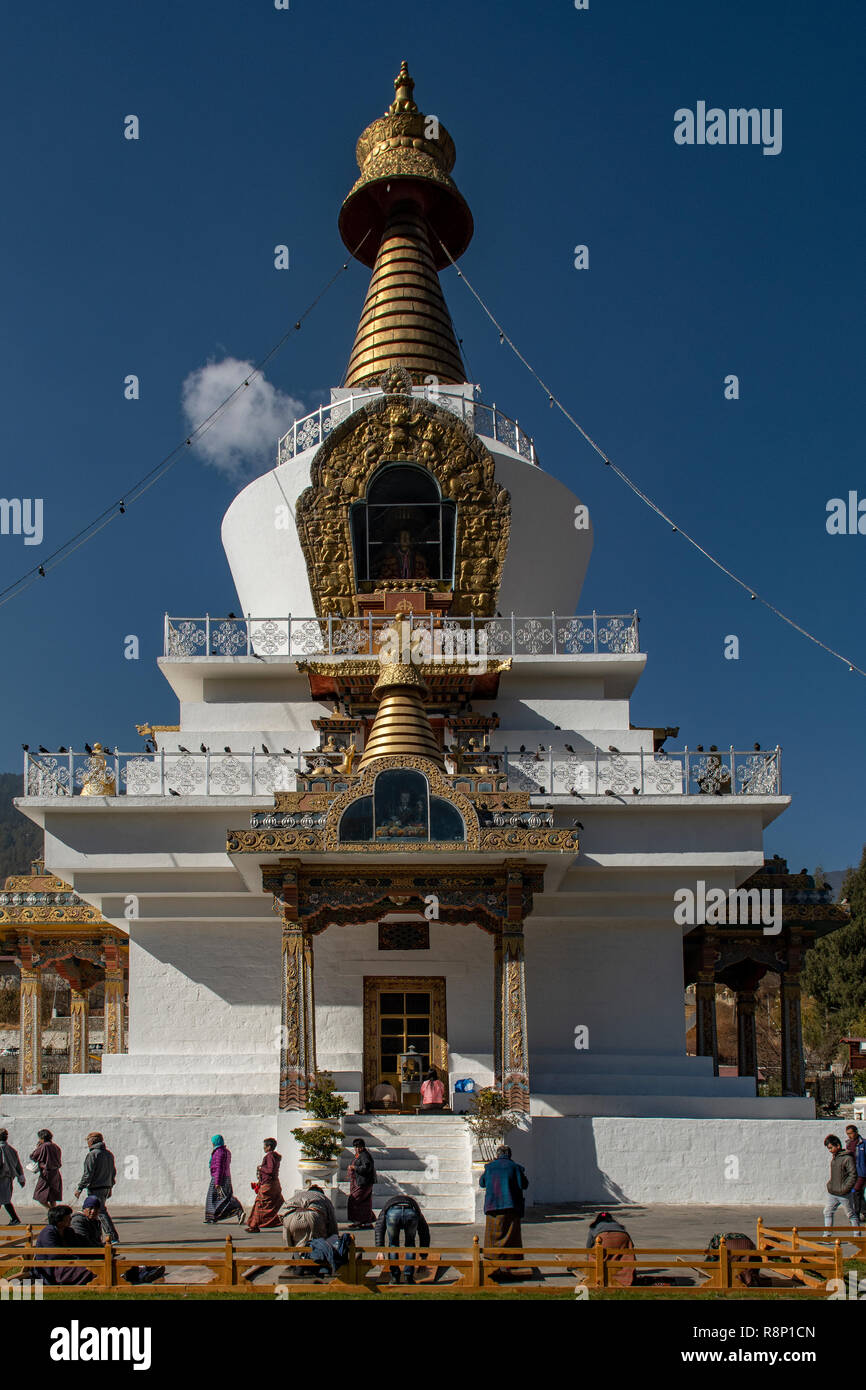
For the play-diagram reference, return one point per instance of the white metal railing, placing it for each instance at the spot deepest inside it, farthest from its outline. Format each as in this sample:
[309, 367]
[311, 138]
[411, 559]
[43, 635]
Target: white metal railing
[482, 419]
[546, 771]
[446, 638]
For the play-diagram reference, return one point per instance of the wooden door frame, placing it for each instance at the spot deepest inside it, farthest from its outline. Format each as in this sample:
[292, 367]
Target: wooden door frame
[373, 986]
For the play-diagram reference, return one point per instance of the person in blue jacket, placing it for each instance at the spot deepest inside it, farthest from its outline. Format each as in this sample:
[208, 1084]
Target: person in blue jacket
[504, 1183]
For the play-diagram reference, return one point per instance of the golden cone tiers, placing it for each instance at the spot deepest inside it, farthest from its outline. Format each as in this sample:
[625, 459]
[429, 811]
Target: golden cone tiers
[401, 211]
[405, 319]
[401, 724]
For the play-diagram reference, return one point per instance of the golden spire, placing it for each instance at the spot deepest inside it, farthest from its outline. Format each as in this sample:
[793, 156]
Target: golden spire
[402, 207]
[401, 724]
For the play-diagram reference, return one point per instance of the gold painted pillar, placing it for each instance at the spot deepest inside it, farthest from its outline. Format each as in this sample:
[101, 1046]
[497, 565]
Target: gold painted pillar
[514, 1046]
[298, 1032]
[79, 1031]
[113, 1040]
[30, 1017]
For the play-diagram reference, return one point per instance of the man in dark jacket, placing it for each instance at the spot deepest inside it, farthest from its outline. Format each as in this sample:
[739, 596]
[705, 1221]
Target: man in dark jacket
[85, 1224]
[10, 1171]
[98, 1177]
[840, 1187]
[856, 1146]
[504, 1183]
[401, 1213]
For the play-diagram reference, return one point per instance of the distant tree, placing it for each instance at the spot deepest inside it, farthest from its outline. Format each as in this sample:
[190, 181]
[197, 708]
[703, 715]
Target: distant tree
[819, 877]
[20, 840]
[835, 970]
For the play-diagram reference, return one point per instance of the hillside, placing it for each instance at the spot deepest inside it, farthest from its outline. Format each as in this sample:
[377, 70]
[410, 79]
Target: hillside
[20, 839]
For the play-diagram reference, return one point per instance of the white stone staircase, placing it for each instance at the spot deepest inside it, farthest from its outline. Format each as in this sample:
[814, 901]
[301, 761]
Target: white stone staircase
[428, 1157]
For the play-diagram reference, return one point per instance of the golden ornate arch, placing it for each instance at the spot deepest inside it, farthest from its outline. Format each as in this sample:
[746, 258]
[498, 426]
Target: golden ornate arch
[401, 428]
[439, 784]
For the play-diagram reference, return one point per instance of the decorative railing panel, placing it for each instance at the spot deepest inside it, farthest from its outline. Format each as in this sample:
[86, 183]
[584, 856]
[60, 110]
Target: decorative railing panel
[432, 637]
[545, 772]
[486, 420]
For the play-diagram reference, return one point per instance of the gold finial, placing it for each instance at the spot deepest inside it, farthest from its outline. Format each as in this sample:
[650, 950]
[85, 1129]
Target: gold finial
[404, 86]
[403, 210]
[401, 725]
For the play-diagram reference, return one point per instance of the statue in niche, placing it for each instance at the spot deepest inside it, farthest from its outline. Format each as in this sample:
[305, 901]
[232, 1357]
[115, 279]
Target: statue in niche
[406, 817]
[402, 560]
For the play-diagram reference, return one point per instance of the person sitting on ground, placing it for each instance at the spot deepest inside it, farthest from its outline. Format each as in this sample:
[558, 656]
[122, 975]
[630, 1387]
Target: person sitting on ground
[432, 1091]
[53, 1237]
[613, 1236]
[316, 1195]
[85, 1227]
[401, 1213]
[303, 1218]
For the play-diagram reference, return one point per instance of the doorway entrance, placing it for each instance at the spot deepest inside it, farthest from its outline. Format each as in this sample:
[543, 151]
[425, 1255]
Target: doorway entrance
[401, 1013]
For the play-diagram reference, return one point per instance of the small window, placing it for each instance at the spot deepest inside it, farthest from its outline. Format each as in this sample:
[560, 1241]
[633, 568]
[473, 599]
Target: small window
[403, 529]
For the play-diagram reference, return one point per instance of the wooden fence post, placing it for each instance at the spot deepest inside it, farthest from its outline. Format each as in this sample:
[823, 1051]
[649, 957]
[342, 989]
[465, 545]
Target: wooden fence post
[839, 1271]
[759, 1234]
[476, 1276]
[600, 1266]
[230, 1276]
[724, 1265]
[109, 1266]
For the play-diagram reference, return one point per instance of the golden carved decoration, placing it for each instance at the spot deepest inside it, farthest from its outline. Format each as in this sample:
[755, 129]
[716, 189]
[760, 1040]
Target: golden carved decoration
[401, 725]
[439, 786]
[391, 429]
[98, 780]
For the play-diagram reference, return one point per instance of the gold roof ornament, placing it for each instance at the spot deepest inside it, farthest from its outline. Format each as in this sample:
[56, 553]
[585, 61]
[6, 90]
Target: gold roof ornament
[402, 207]
[401, 725]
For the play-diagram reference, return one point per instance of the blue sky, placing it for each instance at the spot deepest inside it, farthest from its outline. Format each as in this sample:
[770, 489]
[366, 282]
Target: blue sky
[154, 257]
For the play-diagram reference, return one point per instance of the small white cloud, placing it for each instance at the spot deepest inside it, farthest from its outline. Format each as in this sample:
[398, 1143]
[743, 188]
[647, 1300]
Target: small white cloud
[242, 441]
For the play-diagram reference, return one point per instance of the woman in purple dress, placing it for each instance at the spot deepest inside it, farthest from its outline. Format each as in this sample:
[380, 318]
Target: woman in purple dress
[221, 1202]
[47, 1156]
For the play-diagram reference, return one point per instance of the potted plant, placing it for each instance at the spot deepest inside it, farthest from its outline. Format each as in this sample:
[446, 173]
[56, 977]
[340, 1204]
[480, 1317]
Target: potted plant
[325, 1106]
[489, 1121]
[320, 1152]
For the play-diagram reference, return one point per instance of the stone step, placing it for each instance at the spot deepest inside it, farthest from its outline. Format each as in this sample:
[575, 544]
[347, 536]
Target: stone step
[606, 1084]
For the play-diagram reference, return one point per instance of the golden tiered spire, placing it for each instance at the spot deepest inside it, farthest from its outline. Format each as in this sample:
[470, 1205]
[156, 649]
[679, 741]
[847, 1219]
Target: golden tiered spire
[401, 724]
[402, 207]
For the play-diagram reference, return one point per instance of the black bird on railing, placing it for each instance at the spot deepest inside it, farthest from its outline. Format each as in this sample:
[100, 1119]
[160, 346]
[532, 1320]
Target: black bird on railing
[204, 748]
[288, 751]
[42, 749]
[568, 748]
[611, 749]
[26, 747]
[578, 824]
[61, 749]
[757, 747]
[266, 750]
[227, 749]
[182, 749]
[88, 750]
[523, 747]
[172, 792]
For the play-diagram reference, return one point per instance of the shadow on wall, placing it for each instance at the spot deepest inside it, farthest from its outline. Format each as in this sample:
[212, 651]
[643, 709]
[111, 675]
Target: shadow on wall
[240, 965]
[567, 1169]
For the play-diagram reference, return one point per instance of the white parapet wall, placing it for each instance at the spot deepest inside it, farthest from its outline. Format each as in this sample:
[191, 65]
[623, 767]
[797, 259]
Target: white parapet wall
[713, 1162]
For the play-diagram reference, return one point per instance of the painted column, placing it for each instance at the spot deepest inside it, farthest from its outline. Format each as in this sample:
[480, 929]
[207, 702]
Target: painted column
[79, 1031]
[497, 1011]
[706, 1037]
[747, 1035]
[793, 1063]
[512, 1027]
[30, 1017]
[297, 1035]
[113, 1040]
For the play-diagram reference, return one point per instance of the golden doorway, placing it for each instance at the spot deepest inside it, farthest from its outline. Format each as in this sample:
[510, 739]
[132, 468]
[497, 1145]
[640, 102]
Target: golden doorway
[402, 1012]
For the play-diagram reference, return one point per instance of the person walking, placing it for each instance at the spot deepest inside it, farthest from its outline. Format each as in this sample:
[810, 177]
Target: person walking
[504, 1183]
[47, 1157]
[362, 1178]
[401, 1213]
[10, 1172]
[840, 1185]
[432, 1091]
[221, 1203]
[98, 1178]
[856, 1146]
[269, 1194]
